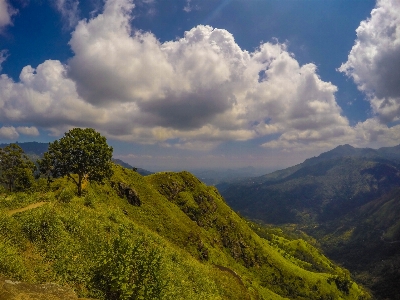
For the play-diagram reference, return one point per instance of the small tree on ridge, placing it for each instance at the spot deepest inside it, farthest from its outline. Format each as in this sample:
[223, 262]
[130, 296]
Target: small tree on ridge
[80, 154]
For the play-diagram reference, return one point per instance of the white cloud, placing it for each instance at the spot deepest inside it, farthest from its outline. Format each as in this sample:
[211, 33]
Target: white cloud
[32, 131]
[374, 60]
[69, 10]
[193, 93]
[6, 12]
[8, 133]
[190, 7]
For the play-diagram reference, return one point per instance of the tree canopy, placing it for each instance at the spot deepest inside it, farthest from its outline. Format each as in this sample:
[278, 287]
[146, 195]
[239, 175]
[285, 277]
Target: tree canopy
[82, 154]
[16, 170]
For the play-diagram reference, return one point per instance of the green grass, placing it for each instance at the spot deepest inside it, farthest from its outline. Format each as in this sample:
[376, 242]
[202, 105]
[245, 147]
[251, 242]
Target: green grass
[183, 242]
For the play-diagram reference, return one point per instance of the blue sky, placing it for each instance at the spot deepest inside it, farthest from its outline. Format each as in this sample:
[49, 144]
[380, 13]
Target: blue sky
[202, 84]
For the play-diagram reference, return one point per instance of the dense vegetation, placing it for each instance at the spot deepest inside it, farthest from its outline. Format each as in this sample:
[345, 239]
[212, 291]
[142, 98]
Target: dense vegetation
[163, 236]
[347, 198]
[367, 241]
[16, 170]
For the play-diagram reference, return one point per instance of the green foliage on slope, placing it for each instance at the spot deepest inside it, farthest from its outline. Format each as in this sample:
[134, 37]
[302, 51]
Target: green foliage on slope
[179, 241]
[367, 241]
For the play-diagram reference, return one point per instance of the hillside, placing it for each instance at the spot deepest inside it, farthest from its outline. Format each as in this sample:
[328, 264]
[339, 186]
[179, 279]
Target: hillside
[166, 235]
[347, 199]
[368, 243]
[320, 189]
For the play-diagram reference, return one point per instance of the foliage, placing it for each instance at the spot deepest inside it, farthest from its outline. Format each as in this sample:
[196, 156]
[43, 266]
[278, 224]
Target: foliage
[127, 271]
[176, 245]
[81, 152]
[15, 168]
[366, 241]
[66, 195]
[342, 283]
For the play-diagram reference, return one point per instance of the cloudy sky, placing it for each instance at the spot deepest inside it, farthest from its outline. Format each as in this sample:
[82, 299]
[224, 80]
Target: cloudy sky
[183, 84]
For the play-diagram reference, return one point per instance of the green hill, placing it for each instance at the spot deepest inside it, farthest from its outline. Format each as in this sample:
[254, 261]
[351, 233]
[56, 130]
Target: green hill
[163, 236]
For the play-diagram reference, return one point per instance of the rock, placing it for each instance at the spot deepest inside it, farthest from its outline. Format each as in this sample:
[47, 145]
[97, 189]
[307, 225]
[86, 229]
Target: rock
[126, 191]
[15, 290]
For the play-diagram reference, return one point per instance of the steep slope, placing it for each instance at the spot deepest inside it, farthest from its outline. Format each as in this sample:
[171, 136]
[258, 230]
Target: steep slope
[166, 236]
[368, 243]
[320, 189]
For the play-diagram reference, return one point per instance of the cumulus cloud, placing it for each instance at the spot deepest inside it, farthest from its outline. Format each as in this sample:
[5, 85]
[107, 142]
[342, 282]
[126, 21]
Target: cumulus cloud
[6, 13]
[192, 93]
[25, 130]
[374, 60]
[8, 133]
[12, 133]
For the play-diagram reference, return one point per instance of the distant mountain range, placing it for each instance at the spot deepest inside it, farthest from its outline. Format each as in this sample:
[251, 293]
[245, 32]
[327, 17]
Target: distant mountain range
[347, 198]
[321, 188]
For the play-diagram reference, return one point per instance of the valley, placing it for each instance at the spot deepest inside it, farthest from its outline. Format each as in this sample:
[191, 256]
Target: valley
[347, 200]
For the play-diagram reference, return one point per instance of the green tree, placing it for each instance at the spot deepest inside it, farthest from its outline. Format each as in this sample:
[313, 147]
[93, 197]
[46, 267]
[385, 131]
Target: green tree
[16, 170]
[80, 154]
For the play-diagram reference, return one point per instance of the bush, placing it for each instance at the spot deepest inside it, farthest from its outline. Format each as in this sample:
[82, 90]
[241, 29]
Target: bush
[11, 263]
[127, 271]
[90, 200]
[66, 195]
[42, 225]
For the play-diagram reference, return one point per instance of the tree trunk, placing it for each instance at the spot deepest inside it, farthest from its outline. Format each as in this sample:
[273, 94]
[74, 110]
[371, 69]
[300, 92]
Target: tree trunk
[79, 185]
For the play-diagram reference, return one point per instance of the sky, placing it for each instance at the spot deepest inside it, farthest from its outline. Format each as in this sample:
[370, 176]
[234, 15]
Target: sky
[187, 84]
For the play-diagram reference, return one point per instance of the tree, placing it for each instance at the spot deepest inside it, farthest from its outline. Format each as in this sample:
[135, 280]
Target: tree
[16, 168]
[80, 154]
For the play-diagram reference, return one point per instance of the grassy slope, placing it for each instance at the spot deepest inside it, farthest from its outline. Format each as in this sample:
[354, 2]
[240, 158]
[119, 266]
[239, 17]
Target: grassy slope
[206, 250]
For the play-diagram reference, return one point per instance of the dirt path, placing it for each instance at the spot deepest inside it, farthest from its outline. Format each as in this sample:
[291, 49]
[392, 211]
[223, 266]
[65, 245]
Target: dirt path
[30, 206]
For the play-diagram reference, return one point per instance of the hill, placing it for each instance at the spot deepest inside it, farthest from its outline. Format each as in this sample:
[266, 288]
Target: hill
[141, 171]
[320, 189]
[162, 236]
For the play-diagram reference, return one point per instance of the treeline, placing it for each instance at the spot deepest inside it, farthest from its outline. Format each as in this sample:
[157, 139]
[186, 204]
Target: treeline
[81, 155]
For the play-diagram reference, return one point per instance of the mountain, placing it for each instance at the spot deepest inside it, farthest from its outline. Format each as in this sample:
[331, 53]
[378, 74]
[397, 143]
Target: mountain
[321, 188]
[367, 241]
[141, 171]
[225, 176]
[32, 147]
[162, 236]
[348, 199]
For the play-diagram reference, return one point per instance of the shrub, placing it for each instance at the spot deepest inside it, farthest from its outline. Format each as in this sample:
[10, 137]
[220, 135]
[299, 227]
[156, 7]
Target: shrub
[66, 195]
[42, 225]
[127, 271]
[11, 263]
[90, 200]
